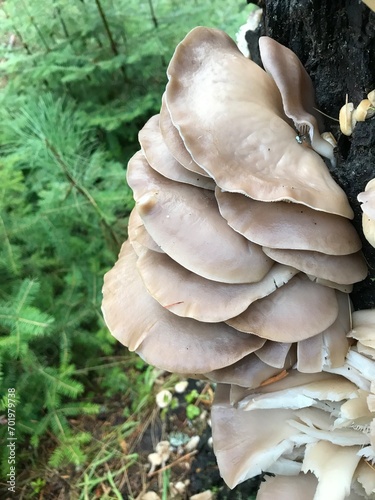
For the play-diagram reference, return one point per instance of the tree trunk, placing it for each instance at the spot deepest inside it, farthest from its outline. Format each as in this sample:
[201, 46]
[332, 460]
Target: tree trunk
[335, 42]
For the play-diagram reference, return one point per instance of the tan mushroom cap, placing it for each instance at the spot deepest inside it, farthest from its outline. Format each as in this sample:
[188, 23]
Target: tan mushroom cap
[310, 354]
[330, 347]
[138, 236]
[274, 353]
[296, 311]
[189, 295]
[185, 222]
[288, 487]
[288, 225]
[159, 157]
[242, 454]
[175, 143]
[250, 371]
[341, 269]
[296, 90]
[180, 345]
[331, 284]
[336, 344]
[229, 113]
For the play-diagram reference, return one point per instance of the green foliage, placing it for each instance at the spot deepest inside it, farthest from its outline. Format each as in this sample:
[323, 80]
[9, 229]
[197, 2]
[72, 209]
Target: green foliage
[77, 80]
[111, 57]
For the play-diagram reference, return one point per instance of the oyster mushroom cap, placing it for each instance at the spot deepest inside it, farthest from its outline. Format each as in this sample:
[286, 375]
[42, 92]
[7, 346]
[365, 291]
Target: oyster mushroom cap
[297, 91]
[189, 295]
[184, 221]
[250, 371]
[274, 353]
[236, 129]
[247, 454]
[294, 312]
[288, 487]
[138, 236]
[175, 143]
[335, 341]
[180, 345]
[159, 157]
[341, 269]
[288, 225]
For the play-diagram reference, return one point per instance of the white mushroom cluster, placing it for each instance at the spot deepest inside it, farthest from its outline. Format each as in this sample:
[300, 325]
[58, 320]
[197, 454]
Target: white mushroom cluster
[315, 432]
[240, 259]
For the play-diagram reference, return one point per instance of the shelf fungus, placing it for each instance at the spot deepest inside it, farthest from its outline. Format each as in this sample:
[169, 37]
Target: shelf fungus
[238, 267]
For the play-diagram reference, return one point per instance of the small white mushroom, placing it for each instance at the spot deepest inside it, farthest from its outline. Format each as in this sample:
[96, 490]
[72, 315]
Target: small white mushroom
[346, 118]
[155, 460]
[181, 386]
[363, 111]
[163, 398]
[163, 448]
[192, 444]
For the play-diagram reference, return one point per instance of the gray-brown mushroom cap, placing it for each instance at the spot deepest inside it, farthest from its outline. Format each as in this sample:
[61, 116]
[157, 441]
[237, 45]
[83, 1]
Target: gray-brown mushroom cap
[175, 143]
[229, 113]
[138, 236]
[179, 345]
[189, 295]
[296, 90]
[341, 269]
[288, 225]
[184, 221]
[159, 157]
[296, 311]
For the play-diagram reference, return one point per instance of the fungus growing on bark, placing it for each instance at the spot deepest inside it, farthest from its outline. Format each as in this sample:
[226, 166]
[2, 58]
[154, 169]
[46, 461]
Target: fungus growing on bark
[237, 268]
[268, 163]
[297, 93]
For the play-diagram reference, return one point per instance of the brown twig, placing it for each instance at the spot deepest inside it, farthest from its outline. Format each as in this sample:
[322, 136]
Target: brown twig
[169, 466]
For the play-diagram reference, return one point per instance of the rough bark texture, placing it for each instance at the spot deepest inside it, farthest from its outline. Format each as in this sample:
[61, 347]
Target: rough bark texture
[335, 40]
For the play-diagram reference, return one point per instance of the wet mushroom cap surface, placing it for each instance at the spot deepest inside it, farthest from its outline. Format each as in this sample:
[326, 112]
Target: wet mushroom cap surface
[187, 294]
[229, 113]
[184, 221]
[174, 141]
[159, 157]
[294, 312]
[341, 269]
[179, 345]
[297, 92]
[288, 225]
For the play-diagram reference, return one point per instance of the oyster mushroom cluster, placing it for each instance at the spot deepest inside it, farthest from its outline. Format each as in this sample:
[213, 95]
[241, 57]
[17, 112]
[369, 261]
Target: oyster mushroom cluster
[241, 253]
[315, 432]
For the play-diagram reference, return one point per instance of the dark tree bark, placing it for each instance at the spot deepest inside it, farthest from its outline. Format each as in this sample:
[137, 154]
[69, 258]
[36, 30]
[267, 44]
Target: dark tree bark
[335, 40]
